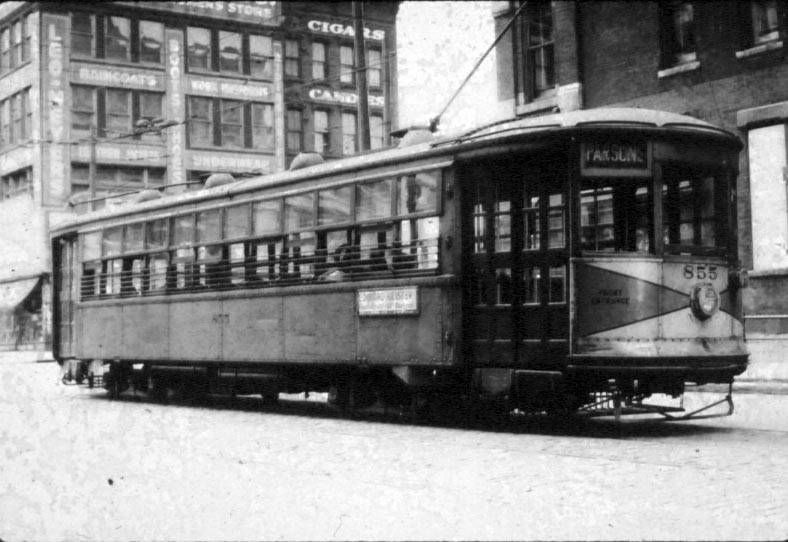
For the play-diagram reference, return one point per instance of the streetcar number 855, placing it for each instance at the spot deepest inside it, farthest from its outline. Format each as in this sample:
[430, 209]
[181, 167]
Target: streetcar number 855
[700, 272]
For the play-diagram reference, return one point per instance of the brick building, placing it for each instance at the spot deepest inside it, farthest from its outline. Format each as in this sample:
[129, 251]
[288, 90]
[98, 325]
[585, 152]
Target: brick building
[160, 94]
[724, 62]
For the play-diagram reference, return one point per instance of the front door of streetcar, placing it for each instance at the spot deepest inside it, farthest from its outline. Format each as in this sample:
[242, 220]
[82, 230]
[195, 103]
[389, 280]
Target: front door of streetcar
[66, 294]
[515, 223]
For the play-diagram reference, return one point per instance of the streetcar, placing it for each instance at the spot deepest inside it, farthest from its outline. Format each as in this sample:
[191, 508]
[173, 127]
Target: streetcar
[580, 261]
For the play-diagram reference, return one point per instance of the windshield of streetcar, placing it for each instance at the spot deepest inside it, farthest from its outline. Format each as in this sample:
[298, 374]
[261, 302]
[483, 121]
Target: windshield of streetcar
[618, 215]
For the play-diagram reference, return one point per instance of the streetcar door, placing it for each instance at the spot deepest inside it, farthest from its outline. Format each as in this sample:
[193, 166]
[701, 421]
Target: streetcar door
[516, 264]
[66, 285]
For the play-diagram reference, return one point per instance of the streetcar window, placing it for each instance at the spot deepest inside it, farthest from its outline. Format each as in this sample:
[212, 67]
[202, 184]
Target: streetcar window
[503, 286]
[298, 256]
[267, 219]
[112, 276]
[209, 226]
[265, 257]
[182, 230]
[531, 276]
[374, 251]
[373, 200]
[131, 279]
[237, 222]
[335, 251]
[91, 246]
[418, 193]
[333, 205]
[299, 212]
[157, 272]
[237, 255]
[182, 268]
[555, 221]
[111, 241]
[616, 218]
[417, 245]
[90, 279]
[502, 219]
[557, 284]
[133, 240]
[531, 219]
[693, 206]
[210, 270]
[156, 234]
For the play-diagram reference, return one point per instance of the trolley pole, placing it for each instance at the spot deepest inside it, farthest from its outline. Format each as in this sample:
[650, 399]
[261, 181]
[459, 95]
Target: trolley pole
[361, 75]
[92, 168]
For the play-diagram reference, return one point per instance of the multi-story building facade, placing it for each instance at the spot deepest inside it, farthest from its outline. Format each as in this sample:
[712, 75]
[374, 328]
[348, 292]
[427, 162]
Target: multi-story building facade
[724, 62]
[101, 99]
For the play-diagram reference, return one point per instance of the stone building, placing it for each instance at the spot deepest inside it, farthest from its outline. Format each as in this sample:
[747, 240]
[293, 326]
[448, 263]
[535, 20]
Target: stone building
[101, 99]
[724, 62]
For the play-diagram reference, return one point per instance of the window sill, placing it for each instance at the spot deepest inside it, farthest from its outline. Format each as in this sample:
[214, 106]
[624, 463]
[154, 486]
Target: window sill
[118, 63]
[761, 48]
[769, 273]
[15, 69]
[538, 105]
[681, 68]
[238, 150]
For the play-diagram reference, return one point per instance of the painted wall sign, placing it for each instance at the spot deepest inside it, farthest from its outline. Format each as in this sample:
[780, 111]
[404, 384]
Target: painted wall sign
[260, 12]
[232, 162]
[616, 158]
[343, 29]
[388, 301]
[116, 77]
[176, 107]
[229, 89]
[117, 153]
[340, 97]
[55, 65]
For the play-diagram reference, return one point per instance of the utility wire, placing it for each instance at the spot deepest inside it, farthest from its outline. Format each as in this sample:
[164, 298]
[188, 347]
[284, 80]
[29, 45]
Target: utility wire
[436, 120]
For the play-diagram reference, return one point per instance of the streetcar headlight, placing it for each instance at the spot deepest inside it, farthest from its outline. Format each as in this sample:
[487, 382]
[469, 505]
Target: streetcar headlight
[704, 300]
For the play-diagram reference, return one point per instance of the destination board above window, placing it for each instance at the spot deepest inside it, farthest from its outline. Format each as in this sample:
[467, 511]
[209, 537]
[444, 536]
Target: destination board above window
[615, 158]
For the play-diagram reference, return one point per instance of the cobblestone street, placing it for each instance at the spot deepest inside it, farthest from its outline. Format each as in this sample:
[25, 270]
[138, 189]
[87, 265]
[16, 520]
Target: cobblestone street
[79, 466]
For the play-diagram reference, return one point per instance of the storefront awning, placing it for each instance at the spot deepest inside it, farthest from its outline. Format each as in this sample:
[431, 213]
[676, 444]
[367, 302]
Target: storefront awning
[13, 293]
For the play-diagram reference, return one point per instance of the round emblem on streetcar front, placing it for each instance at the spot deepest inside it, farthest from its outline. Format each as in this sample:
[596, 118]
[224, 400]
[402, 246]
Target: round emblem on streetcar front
[704, 300]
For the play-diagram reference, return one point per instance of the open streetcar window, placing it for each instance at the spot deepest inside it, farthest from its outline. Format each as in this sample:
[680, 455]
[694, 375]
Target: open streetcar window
[615, 217]
[693, 204]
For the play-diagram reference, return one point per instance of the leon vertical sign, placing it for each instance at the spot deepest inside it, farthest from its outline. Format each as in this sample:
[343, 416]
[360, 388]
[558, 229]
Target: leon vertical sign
[55, 69]
[175, 106]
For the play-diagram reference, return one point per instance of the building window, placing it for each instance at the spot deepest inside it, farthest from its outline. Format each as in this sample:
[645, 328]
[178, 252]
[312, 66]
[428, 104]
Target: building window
[262, 126]
[149, 108]
[117, 38]
[294, 131]
[678, 33]
[15, 184]
[15, 119]
[151, 40]
[767, 149]
[198, 46]
[117, 121]
[348, 133]
[5, 50]
[200, 122]
[346, 64]
[374, 67]
[82, 34]
[231, 124]
[292, 58]
[376, 136]
[318, 60]
[261, 56]
[760, 22]
[229, 52]
[538, 51]
[322, 134]
[16, 44]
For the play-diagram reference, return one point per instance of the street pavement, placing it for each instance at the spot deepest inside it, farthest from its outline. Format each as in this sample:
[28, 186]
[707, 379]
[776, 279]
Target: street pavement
[75, 465]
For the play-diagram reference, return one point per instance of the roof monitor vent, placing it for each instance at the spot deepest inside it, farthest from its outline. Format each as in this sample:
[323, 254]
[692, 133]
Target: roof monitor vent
[413, 135]
[306, 159]
[218, 179]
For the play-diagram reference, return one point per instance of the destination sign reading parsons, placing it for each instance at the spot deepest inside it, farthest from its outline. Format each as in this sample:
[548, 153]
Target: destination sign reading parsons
[615, 155]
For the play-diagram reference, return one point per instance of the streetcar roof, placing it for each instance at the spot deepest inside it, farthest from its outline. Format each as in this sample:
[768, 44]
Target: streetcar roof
[599, 118]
